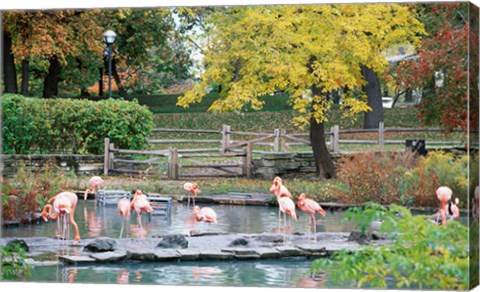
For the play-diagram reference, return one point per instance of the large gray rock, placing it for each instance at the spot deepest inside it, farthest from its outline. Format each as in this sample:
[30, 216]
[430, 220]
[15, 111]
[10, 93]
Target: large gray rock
[238, 242]
[18, 242]
[101, 244]
[173, 241]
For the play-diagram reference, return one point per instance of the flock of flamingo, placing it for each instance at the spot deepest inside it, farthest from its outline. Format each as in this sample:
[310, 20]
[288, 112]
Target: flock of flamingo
[62, 206]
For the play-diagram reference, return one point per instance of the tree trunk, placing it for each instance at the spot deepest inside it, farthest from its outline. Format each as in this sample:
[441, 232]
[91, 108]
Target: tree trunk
[50, 83]
[409, 95]
[373, 92]
[121, 90]
[323, 161]
[9, 72]
[100, 83]
[25, 75]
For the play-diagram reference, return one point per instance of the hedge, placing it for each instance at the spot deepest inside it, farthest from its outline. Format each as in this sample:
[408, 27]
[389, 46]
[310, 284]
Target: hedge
[36, 125]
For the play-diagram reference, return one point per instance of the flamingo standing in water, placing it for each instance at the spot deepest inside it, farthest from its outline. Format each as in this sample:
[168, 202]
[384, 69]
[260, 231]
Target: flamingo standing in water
[193, 190]
[205, 214]
[311, 207]
[95, 182]
[64, 204]
[280, 191]
[140, 204]
[448, 210]
[124, 211]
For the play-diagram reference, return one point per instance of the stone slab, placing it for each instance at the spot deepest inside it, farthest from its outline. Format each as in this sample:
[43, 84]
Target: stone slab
[188, 254]
[313, 249]
[142, 255]
[215, 255]
[241, 251]
[76, 259]
[289, 251]
[109, 256]
[166, 255]
[268, 253]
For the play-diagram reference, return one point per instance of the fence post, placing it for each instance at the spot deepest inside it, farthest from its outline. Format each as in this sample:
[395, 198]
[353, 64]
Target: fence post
[249, 160]
[225, 138]
[175, 163]
[381, 137]
[111, 156]
[170, 163]
[276, 141]
[335, 139]
[106, 156]
[283, 140]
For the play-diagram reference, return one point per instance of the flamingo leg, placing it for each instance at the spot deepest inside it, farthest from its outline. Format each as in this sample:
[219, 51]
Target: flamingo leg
[193, 198]
[188, 201]
[75, 226]
[314, 228]
[121, 229]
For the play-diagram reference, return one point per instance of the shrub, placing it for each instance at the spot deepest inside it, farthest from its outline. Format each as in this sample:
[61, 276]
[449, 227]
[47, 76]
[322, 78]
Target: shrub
[373, 176]
[27, 192]
[51, 125]
[421, 255]
[437, 169]
[14, 265]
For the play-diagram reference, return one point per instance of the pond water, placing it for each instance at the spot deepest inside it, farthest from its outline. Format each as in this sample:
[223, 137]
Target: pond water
[290, 273]
[98, 220]
[103, 220]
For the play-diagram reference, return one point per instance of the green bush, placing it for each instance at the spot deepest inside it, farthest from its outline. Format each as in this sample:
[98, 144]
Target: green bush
[14, 264]
[421, 255]
[52, 125]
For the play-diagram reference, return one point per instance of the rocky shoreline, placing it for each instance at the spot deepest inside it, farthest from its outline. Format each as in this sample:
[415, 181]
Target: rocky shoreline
[179, 248]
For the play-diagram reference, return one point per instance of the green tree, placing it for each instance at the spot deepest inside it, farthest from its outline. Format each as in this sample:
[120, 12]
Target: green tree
[307, 51]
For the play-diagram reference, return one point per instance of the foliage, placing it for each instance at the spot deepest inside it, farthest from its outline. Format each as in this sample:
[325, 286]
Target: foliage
[256, 50]
[78, 125]
[422, 255]
[436, 169]
[13, 262]
[27, 192]
[402, 178]
[374, 176]
[148, 45]
[444, 51]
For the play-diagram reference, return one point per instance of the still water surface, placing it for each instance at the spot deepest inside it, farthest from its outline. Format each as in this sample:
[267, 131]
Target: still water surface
[97, 220]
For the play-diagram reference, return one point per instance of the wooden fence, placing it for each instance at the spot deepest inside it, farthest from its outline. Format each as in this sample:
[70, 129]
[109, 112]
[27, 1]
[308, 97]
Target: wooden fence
[233, 156]
[172, 160]
[280, 141]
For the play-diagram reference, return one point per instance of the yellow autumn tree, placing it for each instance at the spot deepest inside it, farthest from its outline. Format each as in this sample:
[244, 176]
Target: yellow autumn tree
[253, 51]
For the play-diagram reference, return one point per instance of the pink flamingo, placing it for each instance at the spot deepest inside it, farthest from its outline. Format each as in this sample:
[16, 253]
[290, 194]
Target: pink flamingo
[140, 204]
[280, 191]
[311, 207]
[94, 182]
[205, 214]
[448, 210]
[64, 204]
[123, 206]
[193, 190]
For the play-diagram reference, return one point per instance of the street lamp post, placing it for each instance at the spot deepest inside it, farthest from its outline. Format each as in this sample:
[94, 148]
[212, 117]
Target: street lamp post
[109, 38]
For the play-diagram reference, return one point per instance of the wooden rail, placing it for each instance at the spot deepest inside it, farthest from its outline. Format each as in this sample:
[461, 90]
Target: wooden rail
[174, 160]
[179, 159]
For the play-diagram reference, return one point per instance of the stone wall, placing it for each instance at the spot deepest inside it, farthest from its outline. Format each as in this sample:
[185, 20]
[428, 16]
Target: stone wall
[286, 164]
[80, 164]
